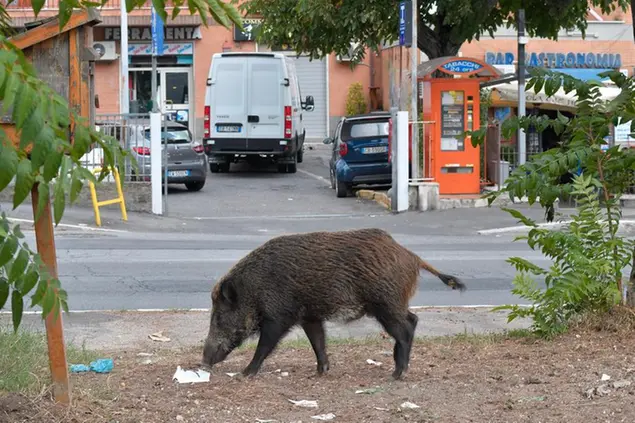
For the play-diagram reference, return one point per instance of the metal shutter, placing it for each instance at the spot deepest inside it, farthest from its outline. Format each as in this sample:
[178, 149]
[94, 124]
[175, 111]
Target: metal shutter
[312, 79]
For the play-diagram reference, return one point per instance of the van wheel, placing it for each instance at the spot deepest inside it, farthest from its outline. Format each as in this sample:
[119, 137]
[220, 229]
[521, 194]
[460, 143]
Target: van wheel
[300, 156]
[341, 188]
[214, 168]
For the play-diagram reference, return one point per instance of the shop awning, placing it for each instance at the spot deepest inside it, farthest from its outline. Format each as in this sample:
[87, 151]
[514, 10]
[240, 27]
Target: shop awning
[583, 73]
[506, 95]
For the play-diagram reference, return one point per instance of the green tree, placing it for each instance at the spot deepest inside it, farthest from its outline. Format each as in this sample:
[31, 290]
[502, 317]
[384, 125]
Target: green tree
[47, 157]
[320, 27]
[589, 255]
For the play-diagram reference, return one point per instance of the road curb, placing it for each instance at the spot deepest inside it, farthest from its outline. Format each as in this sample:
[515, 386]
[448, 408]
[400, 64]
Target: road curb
[380, 198]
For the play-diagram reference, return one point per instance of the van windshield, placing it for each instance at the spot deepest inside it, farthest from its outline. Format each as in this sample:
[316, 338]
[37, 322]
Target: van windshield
[365, 129]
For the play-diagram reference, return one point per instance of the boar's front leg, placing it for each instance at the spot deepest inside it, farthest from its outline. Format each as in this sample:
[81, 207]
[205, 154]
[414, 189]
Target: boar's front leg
[314, 330]
[270, 334]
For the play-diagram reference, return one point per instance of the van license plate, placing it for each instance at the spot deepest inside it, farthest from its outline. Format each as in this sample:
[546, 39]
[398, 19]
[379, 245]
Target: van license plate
[178, 173]
[374, 150]
[227, 128]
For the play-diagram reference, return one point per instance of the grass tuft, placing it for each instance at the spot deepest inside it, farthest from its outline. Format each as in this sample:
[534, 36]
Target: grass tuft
[24, 366]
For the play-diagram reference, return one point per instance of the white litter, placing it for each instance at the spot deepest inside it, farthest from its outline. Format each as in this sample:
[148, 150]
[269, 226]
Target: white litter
[382, 409]
[284, 374]
[606, 377]
[305, 403]
[231, 374]
[373, 362]
[158, 336]
[190, 376]
[408, 404]
[142, 354]
[264, 421]
[329, 416]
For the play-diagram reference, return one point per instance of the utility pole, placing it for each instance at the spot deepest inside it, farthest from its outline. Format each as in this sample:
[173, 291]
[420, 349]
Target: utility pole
[124, 106]
[522, 41]
[414, 62]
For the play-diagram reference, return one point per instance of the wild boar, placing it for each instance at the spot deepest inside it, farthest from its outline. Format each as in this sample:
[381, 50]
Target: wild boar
[307, 279]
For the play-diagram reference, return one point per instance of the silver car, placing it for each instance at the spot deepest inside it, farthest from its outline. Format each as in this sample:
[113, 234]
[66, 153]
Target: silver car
[186, 159]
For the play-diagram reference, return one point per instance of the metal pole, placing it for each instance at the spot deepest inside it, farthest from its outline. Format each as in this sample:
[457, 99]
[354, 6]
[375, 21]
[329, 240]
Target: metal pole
[155, 108]
[45, 240]
[124, 105]
[414, 61]
[400, 74]
[393, 152]
[522, 40]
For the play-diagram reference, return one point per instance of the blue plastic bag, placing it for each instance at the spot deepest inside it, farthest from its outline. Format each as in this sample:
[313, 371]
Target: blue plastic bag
[102, 365]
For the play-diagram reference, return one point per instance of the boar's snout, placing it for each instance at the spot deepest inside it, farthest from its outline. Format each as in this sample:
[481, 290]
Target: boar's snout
[213, 353]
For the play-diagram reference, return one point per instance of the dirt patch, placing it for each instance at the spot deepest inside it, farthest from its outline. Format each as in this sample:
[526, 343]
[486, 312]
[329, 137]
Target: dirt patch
[453, 380]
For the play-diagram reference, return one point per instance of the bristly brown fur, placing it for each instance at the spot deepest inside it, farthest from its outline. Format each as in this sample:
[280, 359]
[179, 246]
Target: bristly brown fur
[311, 278]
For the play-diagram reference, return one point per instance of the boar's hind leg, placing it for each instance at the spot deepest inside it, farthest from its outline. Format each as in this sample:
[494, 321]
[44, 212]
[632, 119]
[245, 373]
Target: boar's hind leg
[270, 334]
[314, 330]
[402, 329]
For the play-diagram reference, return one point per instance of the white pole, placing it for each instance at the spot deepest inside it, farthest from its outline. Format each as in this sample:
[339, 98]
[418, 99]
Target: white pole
[402, 161]
[155, 162]
[414, 61]
[124, 105]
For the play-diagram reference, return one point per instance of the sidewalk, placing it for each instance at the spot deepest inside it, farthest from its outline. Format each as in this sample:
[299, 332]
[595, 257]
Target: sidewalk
[130, 330]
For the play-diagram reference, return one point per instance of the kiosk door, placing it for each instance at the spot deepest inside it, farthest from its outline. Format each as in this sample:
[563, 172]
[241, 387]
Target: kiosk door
[458, 162]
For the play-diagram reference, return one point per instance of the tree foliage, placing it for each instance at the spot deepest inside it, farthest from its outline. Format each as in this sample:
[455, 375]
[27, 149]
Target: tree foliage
[319, 27]
[52, 141]
[589, 256]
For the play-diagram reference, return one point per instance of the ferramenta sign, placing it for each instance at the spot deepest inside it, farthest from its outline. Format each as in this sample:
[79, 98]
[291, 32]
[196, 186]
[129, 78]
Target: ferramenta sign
[171, 33]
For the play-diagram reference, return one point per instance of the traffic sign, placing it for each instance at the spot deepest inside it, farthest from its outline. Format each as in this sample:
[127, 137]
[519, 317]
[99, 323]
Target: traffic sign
[157, 33]
[405, 23]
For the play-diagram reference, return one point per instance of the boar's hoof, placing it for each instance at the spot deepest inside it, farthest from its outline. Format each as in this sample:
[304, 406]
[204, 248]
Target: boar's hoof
[397, 374]
[249, 372]
[322, 368]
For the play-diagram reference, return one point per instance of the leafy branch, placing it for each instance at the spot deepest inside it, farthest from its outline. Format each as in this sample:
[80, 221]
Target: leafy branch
[43, 151]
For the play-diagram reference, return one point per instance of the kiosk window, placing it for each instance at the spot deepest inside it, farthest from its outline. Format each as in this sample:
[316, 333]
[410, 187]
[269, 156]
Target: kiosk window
[452, 121]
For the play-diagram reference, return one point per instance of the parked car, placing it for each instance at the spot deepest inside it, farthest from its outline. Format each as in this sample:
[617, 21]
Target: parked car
[360, 152]
[253, 110]
[186, 160]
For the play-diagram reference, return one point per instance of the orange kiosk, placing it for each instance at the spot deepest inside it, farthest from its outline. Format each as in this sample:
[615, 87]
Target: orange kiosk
[451, 99]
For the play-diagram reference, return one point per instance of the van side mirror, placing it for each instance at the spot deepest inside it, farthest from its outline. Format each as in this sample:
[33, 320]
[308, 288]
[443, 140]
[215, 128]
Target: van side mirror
[327, 140]
[285, 82]
[309, 104]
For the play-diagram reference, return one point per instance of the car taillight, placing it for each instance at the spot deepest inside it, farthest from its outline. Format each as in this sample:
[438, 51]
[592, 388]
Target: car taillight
[142, 151]
[287, 121]
[343, 149]
[198, 148]
[206, 121]
[389, 140]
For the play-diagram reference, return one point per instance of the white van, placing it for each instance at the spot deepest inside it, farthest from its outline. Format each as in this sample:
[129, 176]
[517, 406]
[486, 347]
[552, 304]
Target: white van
[253, 109]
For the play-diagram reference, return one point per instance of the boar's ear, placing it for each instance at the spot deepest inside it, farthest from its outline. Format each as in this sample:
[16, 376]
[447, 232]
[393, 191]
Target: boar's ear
[228, 292]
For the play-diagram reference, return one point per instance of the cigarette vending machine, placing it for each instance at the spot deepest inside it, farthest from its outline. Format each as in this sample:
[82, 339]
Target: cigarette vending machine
[451, 101]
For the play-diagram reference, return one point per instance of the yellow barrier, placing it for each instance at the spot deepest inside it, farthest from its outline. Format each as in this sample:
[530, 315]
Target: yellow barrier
[119, 200]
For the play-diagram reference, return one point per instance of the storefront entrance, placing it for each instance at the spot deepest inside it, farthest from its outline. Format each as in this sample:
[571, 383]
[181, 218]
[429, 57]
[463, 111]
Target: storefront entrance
[173, 92]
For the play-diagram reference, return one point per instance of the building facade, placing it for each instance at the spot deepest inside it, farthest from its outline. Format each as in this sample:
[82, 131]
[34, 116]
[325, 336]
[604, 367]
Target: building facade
[184, 65]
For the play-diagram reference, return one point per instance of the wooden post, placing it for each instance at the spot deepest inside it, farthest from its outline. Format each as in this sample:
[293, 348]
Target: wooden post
[45, 241]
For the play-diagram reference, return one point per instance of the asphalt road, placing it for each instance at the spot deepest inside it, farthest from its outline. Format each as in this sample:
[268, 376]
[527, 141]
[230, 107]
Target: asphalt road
[173, 262]
[141, 271]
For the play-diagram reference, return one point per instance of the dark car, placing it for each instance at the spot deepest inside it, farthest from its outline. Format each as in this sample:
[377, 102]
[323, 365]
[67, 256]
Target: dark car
[360, 152]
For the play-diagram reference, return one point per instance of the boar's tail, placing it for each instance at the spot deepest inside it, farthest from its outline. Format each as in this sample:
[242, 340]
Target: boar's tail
[451, 281]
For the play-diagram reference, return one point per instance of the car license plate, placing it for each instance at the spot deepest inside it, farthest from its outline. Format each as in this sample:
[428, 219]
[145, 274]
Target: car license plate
[374, 150]
[178, 173]
[227, 128]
